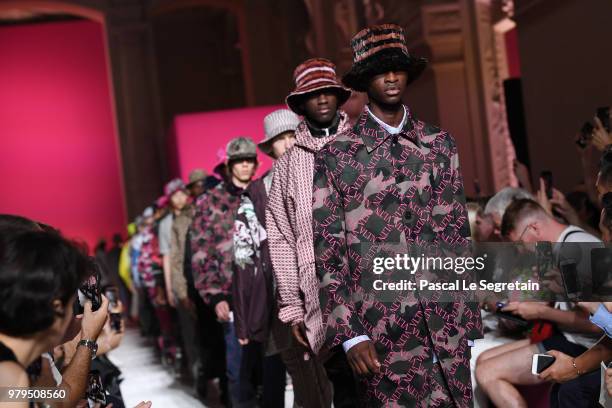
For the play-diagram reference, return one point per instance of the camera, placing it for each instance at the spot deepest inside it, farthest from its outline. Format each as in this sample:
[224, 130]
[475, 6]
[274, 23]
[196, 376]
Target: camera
[89, 290]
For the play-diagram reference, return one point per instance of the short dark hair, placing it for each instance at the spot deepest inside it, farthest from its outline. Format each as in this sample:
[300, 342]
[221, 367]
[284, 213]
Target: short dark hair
[36, 268]
[517, 211]
[17, 222]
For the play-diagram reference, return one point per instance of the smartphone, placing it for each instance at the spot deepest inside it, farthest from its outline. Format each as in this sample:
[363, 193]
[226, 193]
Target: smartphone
[601, 270]
[89, 290]
[603, 114]
[569, 274]
[544, 258]
[541, 362]
[586, 134]
[115, 321]
[509, 316]
[112, 294]
[547, 176]
[95, 389]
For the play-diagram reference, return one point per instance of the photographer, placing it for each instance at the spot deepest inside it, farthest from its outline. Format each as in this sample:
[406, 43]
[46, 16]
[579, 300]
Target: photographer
[77, 363]
[39, 276]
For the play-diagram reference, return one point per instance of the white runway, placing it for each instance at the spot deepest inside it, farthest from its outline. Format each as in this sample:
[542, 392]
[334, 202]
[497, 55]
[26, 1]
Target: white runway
[144, 378]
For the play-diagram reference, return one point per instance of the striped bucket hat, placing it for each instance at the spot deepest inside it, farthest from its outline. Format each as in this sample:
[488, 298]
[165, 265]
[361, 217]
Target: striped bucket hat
[314, 75]
[379, 49]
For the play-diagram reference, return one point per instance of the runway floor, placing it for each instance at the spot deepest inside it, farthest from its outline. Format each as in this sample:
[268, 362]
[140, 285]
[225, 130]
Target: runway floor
[145, 379]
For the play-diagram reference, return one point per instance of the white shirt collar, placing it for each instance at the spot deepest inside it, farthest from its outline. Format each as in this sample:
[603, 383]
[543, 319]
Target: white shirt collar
[392, 130]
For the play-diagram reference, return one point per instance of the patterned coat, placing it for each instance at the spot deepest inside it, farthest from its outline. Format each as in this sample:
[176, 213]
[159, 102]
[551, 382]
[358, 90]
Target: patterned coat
[374, 187]
[212, 240]
[289, 227]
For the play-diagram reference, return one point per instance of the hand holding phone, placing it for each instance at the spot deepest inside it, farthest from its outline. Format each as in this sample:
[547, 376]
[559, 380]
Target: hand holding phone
[115, 321]
[509, 315]
[547, 176]
[569, 274]
[541, 362]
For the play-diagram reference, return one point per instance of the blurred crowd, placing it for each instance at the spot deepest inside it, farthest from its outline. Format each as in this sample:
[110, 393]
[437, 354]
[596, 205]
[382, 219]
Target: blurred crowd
[575, 333]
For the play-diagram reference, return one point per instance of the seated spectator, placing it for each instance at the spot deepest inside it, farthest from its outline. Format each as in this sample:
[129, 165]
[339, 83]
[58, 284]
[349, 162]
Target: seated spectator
[500, 369]
[578, 379]
[40, 273]
[496, 206]
[481, 225]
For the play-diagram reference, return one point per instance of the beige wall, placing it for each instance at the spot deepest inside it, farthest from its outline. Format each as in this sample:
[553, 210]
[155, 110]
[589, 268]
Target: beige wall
[566, 69]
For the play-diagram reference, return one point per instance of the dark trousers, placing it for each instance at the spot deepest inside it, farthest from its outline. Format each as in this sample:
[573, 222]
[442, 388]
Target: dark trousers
[211, 345]
[343, 381]
[257, 370]
[233, 358]
[146, 314]
[190, 339]
[311, 387]
[582, 392]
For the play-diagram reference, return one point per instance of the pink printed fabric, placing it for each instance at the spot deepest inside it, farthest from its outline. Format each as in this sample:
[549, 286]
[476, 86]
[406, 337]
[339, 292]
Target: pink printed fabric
[373, 188]
[289, 227]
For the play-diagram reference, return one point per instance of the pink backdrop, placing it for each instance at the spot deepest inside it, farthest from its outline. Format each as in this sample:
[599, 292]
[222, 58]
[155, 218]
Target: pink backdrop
[59, 158]
[199, 139]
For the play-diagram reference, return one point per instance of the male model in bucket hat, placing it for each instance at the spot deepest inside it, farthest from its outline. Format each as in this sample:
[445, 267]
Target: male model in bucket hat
[279, 128]
[262, 335]
[377, 50]
[211, 242]
[317, 96]
[392, 179]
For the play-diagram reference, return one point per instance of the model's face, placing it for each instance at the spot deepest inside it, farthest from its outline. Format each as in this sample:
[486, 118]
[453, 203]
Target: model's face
[388, 88]
[243, 170]
[196, 189]
[320, 107]
[282, 143]
[179, 199]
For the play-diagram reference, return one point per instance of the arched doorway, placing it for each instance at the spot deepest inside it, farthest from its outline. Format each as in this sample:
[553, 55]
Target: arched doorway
[60, 161]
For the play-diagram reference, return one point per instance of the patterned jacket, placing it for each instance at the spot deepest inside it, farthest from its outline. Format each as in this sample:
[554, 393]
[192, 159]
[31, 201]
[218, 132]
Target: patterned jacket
[373, 187]
[211, 235]
[252, 289]
[289, 227]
